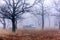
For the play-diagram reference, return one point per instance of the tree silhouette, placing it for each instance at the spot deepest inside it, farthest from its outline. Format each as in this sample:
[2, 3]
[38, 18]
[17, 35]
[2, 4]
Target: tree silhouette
[13, 10]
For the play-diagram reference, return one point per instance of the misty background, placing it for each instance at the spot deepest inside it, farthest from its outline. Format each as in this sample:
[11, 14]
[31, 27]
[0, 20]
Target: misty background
[34, 18]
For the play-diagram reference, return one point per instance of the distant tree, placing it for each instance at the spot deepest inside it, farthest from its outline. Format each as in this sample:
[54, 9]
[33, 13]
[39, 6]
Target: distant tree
[57, 7]
[42, 11]
[2, 20]
[42, 6]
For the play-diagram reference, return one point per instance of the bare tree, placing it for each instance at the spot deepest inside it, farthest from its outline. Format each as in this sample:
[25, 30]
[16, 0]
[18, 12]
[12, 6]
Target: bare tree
[42, 3]
[43, 11]
[13, 9]
[57, 7]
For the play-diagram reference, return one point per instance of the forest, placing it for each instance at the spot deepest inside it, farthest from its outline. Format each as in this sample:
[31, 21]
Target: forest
[29, 19]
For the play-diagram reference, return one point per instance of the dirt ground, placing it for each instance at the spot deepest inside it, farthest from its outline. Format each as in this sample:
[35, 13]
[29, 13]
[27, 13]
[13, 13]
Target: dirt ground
[30, 35]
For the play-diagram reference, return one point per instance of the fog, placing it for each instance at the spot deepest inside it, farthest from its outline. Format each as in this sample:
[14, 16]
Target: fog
[36, 21]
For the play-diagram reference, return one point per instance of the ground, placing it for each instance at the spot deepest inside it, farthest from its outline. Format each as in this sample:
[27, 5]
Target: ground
[30, 35]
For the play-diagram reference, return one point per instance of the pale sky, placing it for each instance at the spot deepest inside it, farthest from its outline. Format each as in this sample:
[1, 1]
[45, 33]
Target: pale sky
[31, 1]
[1, 2]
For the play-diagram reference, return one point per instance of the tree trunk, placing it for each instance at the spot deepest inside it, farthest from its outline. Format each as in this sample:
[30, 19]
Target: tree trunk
[59, 25]
[42, 16]
[49, 20]
[13, 25]
[16, 24]
[42, 21]
[4, 24]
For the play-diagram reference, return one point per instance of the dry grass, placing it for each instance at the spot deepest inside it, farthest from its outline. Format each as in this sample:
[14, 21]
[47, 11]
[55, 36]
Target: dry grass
[30, 35]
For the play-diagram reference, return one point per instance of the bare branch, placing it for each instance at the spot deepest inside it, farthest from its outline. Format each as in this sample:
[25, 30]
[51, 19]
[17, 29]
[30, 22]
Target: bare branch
[32, 4]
